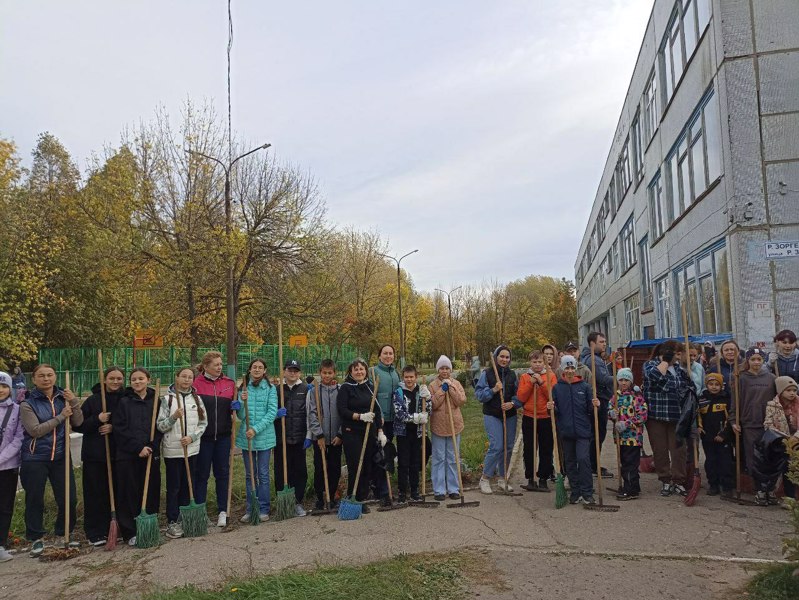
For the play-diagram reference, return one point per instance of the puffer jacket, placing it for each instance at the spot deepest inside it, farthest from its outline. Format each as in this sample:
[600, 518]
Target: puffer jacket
[294, 398]
[262, 403]
[93, 444]
[492, 401]
[406, 402]
[389, 381]
[216, 394]
[574, 412]
[43, 439]
[193, 424]
[330, 425]
[132, 422]
[12, 435]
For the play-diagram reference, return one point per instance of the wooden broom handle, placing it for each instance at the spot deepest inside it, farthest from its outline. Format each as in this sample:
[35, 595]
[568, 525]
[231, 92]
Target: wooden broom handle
[104, 408]
[156, 400]
[504, 422]
[366, 435]
[67, 459]
[282, 401]
[454, 441]
[554, 427]
[183, 428]
[322, 451]
[596, 425]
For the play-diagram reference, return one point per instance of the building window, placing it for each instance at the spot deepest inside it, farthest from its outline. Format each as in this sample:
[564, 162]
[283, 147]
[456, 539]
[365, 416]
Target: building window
[688, 23]
[662, 308]
[703, 286]
[646, 282]
[638, 157]
[658, 213]
[625, 175]
[632, 317]
[627, 237]
[612, 195]
[614, 252]
[694, 162]
[651, 106]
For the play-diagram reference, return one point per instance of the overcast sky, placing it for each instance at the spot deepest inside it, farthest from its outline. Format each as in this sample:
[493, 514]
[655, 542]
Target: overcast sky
[475, 131]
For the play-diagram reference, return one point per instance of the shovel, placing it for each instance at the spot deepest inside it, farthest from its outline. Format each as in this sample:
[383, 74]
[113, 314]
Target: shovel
[462, 503]
[601, 506]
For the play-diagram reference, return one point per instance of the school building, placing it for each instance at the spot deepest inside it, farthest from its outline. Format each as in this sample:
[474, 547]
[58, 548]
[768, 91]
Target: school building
[698, 205]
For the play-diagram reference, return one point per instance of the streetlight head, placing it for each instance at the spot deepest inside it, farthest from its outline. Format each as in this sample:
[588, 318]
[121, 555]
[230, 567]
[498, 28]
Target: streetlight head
[265, 146]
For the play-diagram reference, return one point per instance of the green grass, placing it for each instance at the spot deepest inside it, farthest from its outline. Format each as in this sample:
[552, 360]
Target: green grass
[774, 583]
[419, 576]
[473, 448]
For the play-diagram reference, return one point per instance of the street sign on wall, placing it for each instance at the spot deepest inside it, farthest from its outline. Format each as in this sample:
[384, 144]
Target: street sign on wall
[777, 250]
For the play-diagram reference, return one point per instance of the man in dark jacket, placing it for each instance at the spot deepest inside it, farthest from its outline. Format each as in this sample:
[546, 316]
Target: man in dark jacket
[574, 410]
[597, 344]
[298, 439]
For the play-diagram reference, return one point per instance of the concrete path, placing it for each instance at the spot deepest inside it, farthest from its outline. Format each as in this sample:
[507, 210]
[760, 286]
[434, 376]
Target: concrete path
[674, 551]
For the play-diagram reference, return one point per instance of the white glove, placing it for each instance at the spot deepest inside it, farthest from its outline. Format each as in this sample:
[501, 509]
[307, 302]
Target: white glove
[382, 439]
[772, 358]
[423, 391]
[415, 417]
[422, 418]
[367, 417]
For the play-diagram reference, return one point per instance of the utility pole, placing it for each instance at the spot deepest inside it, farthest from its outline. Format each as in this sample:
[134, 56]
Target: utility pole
[399, 302]
[451, 328]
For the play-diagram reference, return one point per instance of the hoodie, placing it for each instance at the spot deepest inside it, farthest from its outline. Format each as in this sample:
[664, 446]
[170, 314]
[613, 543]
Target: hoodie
[785, 366]
[12, 433]
[755, 392]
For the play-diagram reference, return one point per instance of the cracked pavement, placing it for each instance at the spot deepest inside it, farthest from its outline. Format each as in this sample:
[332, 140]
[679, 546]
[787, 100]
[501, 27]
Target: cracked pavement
[663, 539]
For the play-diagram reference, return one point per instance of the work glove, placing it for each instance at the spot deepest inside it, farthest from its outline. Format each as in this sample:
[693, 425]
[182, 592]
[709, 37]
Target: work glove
[422, 418]
[415, 418]
[235, 405]
[445, 386]
[668, 356]
[368, 417]
[772, 358]
[621, 426]
[613, 414]
[281, 412]
[306, 444]
[382, 439]
[423, 391]
[637, 389]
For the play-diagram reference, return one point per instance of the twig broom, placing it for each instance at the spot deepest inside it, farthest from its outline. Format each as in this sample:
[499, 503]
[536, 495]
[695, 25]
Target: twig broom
[193, 517]
[147, 534]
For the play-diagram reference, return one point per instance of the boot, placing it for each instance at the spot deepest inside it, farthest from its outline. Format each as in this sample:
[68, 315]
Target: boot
[529, 486]
[542, 484]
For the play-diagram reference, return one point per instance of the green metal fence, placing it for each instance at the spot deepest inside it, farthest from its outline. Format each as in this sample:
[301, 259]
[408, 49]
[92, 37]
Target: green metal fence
[163, 362]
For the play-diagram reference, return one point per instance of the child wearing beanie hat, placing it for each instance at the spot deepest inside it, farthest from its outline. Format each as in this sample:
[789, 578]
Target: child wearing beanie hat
[447, 395]
[10, 443]
[782, 414]
[713, 418]
[629, 414]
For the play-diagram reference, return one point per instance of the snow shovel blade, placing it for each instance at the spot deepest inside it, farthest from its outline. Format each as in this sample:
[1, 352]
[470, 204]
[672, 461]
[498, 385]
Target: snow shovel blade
[602, 507]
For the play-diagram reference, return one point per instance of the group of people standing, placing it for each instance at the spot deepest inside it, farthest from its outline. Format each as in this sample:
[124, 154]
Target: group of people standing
[566, 398]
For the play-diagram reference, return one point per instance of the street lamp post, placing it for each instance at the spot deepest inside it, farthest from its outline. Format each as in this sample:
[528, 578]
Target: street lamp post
[449, 308]
[399, 301]
[230, 303]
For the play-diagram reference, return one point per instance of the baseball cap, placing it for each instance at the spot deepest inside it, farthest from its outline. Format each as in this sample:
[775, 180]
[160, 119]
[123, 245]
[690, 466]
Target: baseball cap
[292, 364]
[571, 346]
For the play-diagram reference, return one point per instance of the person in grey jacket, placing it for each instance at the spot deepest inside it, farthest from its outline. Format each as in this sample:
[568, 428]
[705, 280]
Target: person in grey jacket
[325, 430]
[597, 344]
[10, 445]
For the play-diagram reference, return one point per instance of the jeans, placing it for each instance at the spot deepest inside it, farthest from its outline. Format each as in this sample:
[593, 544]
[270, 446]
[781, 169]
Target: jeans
[444, 469]
[214, 453]
[260, 461]
[577, 461]
[34, 475]
[494, 462]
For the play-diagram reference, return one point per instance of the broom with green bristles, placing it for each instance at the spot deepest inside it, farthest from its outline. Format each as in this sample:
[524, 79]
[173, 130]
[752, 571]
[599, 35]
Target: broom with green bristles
[561, 499]
[193, 518]
[147, 534]
[285, 505]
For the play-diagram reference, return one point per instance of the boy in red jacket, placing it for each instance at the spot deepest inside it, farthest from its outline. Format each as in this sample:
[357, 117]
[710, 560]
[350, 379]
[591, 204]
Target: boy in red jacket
[533, 393]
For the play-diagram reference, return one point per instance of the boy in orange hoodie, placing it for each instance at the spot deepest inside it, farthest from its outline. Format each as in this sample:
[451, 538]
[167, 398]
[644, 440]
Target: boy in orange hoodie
[533, 394]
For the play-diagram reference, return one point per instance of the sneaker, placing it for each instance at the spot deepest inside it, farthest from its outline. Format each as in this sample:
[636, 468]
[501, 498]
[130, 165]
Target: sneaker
[542, 485]
[402, 499]
[761, 499]
[5, 555]
[529, 486]
[624, 496]
[679, 489]
[416, 497]
[485, 486]
[37, 548]
[320, 505]
[132, 541]
[386, 502]
[299, 511]
[772, 500]
[454, 496]
[575, 499]
[666, 490]
[606, 474]
[221, 521]
[245, 518]
[263, 517]
[365, 510]
[98, 542]
[552, 478]
[174, 530]
[713, 491]
[58, 542]
[441, 497]
[504, 485]
[588, 500]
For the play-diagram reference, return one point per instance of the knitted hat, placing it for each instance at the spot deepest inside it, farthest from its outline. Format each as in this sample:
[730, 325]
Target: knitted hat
[568, 361]
[5, 379]
[499, 349]
[624, 373]
[443, 361]
[782, 383]
[715, 377]
[755, 352]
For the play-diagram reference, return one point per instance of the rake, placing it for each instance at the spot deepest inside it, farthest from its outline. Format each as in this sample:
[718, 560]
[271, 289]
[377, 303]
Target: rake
[113, 527]
[462, 503]
[147, 533]
[737, 498]
[391, 506]
[286, 498]
[424, 503]
[328, 509]
[533, 487]
[193, 517]
[506, 491]
[255, 511]
[601, 506]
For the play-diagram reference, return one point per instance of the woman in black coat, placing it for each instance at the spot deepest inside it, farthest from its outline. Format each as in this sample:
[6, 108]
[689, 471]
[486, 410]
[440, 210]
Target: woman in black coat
[97, 424]
[354, 402]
